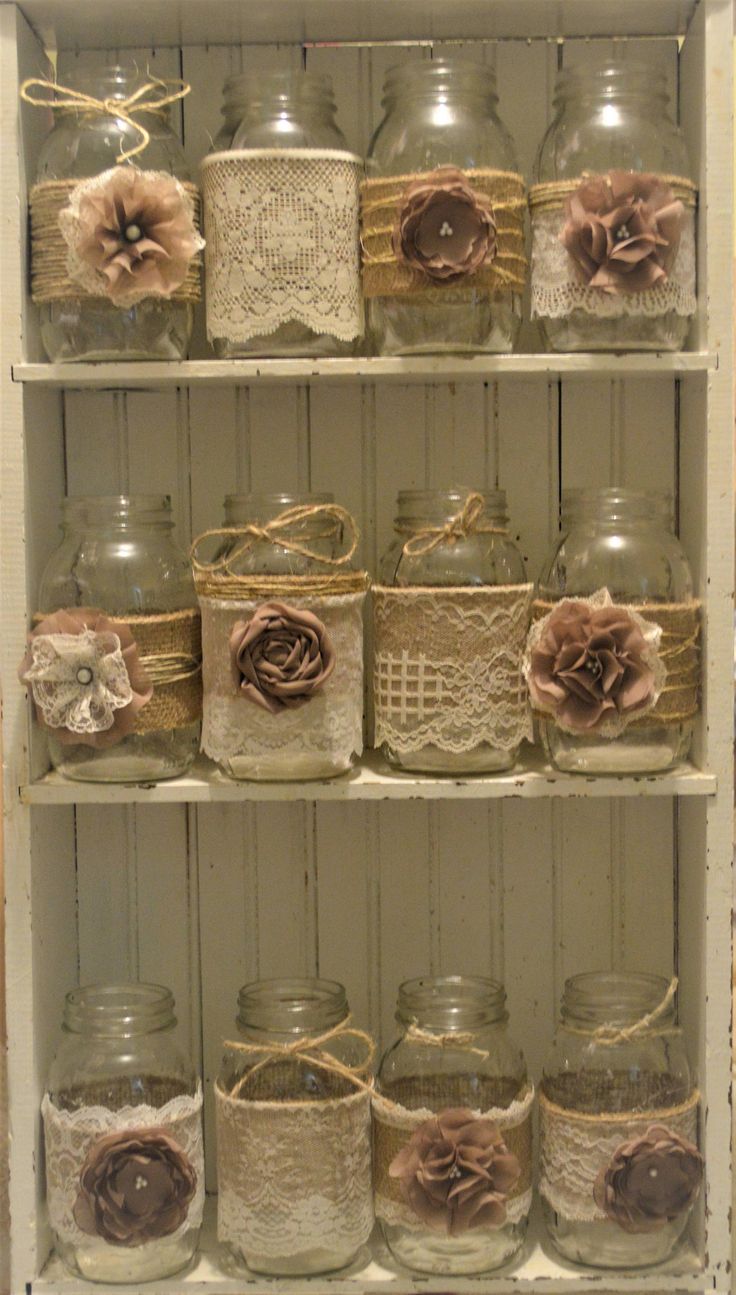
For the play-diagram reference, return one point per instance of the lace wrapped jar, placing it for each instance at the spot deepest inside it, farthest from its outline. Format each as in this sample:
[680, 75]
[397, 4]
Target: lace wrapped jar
[619, 1163]
[114, 241]
[442, 215]
[293, 1131]
[113, 663]
[612, 660]
[281, 217]
[452, 1130]
[613, 215]
[450, 621]
[282, 628]
[122, 1118]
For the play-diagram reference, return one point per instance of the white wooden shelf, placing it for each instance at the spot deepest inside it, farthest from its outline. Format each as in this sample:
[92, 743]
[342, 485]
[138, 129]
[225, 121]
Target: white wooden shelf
[372, 780]
[159, 375]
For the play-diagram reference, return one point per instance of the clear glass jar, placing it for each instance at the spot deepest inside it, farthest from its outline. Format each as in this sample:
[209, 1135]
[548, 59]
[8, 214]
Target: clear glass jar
[84, 144]
[612, 115]
[118, 554]
[645, 1073]
[425, 1070]
[482, 557]
[273, 1014]
[442, 112]
[116, 1066]
[277, 110]
[623, 541]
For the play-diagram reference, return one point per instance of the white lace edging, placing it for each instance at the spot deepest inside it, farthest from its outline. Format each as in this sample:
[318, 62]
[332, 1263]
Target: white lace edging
[396, 1116]
[78, 681]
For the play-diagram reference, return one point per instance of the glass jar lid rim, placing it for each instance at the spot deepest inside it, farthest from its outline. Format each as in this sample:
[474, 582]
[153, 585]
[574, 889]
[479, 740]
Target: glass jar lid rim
[119, 80]
[276, 80]
[615, 997]
[420, 72]
[461, 1002]
[285, 498]
[282, 1004]
[129, 1007]
[606, 69]
[109, 509]
[577, 497]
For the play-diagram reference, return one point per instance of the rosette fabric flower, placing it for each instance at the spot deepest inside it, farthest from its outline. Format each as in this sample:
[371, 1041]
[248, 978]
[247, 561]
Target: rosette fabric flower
[445, 228]
[650, 1180]
[456, 1172]
[281, 657]
[623, 230]
[134, 1186]
[86, 677]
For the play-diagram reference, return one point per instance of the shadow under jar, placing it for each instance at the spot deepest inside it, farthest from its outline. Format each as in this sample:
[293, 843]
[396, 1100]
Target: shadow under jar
[613, 658]
[293, 1131]
[114, 659]
[76, 323]
[613, 215]
[442, 216]
[452, 1131]
[450, 620]
[620, 1168]
[123, 1137]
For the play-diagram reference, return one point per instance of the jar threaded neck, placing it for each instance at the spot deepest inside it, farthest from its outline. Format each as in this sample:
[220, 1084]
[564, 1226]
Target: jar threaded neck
[614, 998]
[449, 1004]
[119, 1011]
[291, 1006]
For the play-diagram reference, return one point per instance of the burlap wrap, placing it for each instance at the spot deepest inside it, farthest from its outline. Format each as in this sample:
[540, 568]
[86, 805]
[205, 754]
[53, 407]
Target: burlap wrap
[385, 276]
[551, 195]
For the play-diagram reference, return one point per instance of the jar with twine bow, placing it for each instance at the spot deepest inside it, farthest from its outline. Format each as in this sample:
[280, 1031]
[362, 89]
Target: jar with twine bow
[294, 1130]
[612, 661]
[282, 626]
[620, 1168]
[452, 1129]
[115, 246]
[442, 218]
[451, 615]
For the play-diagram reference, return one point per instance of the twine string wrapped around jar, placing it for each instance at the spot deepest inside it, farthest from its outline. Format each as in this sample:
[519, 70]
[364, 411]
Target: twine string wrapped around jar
[468, 521]
[152, 97]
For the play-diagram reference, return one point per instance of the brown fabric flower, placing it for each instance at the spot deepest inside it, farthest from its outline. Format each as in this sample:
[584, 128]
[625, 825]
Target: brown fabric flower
[86, 677]
[623, 230]
[650, 1180]
[138, 232]
[280, 657]
[456, 1172]
[444, 228]
[590, 665]
[134, 1186]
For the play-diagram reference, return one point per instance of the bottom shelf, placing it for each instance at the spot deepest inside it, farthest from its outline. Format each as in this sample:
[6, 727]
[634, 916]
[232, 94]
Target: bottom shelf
[375, 1272]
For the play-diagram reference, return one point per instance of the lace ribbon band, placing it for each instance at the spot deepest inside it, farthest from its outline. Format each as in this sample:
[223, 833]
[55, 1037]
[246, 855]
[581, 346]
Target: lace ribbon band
[447, 666]
[383, 202]
[282, 242]
[578, 1148]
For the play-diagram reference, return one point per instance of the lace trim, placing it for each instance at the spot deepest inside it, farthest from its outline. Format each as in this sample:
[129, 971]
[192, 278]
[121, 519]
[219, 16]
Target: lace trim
[282, 242]
[78, 681]
[557, 292]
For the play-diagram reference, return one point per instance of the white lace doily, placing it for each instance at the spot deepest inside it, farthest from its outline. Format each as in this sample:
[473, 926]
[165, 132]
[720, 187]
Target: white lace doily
[69, 1135]
[78, 681]
[557, 290]
[330, 723]
[282, 242]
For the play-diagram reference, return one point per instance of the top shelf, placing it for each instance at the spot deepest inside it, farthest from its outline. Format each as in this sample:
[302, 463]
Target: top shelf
[147, 376]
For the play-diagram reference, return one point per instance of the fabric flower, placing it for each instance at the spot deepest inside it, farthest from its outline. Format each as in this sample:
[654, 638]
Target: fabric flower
[280, 657]
[136, 230]
[444, 228]
[623, 230]
[456, 1172]
[591, 664]
[85, 677]
[134, 1186]
[649, 1180]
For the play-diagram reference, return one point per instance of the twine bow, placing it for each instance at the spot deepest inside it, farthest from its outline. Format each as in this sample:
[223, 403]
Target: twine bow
[462, 1040]
[466, 522]
[608, 1035]
[310, 1051]
[65, 98]
[277, 532]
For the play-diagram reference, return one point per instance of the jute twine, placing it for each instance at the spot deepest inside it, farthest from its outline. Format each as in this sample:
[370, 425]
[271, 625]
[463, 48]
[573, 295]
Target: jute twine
[49, 278]
[385, 276]
[309, 1051]
[153, 97]
[678, 650]
[468, 521]
[612, 1035]
[659, 1114]
[551, 195]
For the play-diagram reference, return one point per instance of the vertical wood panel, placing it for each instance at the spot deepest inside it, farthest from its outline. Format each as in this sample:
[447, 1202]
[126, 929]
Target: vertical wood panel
[108, 893]
[533, 936]
[406, 902]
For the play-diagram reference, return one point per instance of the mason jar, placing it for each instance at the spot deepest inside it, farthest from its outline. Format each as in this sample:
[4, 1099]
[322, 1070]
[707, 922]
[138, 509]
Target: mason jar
[293, 1131]
[123, 1137]
[86, 142]
[613, 214]
[451, 614]
[117, 572]
[443, 241]
[619, 1164]
[452, 1144]
[632, 708]
[299, 235]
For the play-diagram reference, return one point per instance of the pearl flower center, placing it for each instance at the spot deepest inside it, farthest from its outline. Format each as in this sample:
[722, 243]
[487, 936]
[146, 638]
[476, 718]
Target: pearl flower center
[133, 233]
[446, 230]
[622, 233]
[140, 1183]
[594, 666]
[84, 674]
